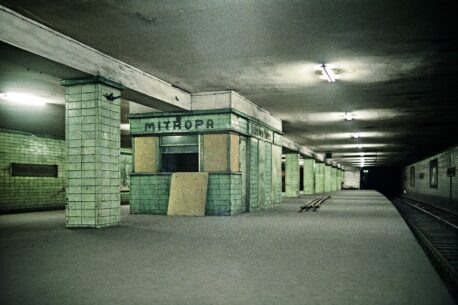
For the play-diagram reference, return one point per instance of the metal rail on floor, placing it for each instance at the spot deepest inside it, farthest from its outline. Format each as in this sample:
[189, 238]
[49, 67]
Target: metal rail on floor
[437, 232]
[314, 204]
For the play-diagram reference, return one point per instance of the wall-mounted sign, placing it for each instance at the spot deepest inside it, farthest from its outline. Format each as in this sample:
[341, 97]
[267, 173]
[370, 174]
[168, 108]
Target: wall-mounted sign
[433, 174]
[260, 132]
[178, 124]
[160, 123]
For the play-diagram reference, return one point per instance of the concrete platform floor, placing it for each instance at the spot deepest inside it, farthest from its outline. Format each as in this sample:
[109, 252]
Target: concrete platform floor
[355, 250]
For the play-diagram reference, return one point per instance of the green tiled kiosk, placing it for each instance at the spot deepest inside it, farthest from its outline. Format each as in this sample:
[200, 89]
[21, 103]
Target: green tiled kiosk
[241, 154]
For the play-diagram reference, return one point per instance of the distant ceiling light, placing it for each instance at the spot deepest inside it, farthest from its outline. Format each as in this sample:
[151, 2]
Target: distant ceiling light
[125, 126]
[328, 73]
[348, 116]
[23, 98]
[360, 146]
[355, 135]
[361, 154]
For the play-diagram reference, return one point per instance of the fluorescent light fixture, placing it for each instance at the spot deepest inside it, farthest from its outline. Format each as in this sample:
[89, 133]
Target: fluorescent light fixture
[355, 135]
[23, 98]
[125, 126]
[348, 116]
[360, 146]
[328, 73]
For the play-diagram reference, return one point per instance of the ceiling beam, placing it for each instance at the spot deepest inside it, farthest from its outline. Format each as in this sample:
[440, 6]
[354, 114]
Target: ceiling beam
[36, 38]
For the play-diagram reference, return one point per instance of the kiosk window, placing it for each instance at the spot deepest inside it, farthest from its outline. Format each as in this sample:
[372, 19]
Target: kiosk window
[180, 153]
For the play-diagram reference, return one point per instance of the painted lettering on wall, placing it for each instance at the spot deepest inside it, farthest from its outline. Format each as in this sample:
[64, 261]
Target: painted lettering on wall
[178, 125]
[261, 132]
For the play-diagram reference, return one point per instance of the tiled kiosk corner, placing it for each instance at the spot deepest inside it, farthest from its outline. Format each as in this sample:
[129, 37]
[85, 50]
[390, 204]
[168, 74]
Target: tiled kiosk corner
[92, 118]
[241, 154]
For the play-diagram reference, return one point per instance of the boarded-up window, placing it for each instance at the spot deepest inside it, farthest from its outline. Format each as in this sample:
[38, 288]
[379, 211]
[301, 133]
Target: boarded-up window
[145, 159]
[235, 165]
[33, 170]
[215, 152]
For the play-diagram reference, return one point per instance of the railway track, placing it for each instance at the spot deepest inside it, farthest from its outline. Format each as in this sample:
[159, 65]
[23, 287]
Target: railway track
[437, 232]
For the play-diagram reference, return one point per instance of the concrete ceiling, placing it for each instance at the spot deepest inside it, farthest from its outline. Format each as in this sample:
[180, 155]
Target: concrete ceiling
[395, 63]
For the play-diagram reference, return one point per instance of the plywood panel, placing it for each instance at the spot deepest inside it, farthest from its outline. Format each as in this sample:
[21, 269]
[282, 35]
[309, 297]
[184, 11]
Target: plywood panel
[235, 165]
[188, 194]
[215, 151]
[146, 154]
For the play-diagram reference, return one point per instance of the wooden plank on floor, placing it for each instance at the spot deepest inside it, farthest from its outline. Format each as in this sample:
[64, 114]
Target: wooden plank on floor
[188, 194]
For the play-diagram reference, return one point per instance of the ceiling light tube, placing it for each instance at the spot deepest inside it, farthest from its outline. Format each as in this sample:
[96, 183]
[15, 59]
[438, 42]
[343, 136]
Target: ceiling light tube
[348, 116]
[328, 73]
[23, 98]
[355, 135]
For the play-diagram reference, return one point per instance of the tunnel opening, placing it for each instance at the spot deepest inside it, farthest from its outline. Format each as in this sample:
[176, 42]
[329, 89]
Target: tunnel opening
[386, 180]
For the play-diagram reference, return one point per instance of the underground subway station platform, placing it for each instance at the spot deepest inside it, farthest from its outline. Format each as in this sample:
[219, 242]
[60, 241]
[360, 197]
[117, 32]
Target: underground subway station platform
[228, 152]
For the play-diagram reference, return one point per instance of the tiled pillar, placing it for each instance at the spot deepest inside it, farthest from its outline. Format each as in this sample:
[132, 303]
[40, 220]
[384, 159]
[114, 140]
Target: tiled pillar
[309, 176]
[333, 179]
[327, 178]
[339, 179]
[92, 119]
[319, 177]
[292, 171]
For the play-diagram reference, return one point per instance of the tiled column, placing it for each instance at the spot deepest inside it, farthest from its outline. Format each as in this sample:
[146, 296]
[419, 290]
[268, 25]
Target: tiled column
[339, 179]
[93, 151]
[319, 177]
[327, 178]
[333, 179]
[309, 176]
[292, 171]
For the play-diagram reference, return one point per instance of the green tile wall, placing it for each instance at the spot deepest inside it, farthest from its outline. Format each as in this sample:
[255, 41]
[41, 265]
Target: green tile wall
[333, 179]
[292, 171]
[268, 177]
[339, 179]
[21, 193]
[319, 178]
[327, 179]
[446, 193]
[35, 193]
[276, 174]
[93, 153]
[224, 194]
[309, 176]
[149, 194]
